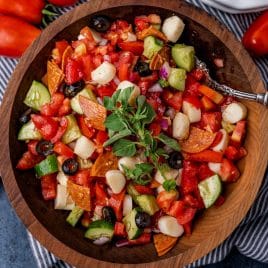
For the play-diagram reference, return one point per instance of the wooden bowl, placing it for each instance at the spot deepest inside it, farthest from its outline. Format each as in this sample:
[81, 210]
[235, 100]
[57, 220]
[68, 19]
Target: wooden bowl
[48, 225]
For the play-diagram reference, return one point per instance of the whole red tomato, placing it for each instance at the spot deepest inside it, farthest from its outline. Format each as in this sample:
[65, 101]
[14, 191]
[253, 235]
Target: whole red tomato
[62, 3]
[15, 35]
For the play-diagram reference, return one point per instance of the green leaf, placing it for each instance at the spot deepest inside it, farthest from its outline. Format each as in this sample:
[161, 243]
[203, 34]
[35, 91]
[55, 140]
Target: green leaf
[172, 143]
[124, 147]
[117, 137]
[114, 122]
[169, 185]
[124, 95]
[149, 114]
[108, 103]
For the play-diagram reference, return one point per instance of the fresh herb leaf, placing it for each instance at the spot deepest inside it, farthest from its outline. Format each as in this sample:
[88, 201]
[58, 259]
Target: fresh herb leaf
[172, 143]
[169, 185]
[108, 103]
[124, 147]
[124, 95]
[117, 137]
[115, 122]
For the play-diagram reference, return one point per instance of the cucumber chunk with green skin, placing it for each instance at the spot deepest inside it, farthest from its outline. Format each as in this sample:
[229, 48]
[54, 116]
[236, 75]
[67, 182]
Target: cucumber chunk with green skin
[183, 56]
[47, 166]
[210, 190]
[29, 132]
[37, 96]
[133, 231]
[72, 132]
[151, 46]
[100, 228]
[132, 192]
[86, 92]
[177, 78]
[74, 216]
[147, 203]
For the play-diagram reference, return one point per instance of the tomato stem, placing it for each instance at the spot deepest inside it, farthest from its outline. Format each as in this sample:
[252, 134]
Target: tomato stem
[47, 14]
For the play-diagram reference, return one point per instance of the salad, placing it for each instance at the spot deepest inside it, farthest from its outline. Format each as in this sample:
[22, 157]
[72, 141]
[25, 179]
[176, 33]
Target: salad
[123, 132]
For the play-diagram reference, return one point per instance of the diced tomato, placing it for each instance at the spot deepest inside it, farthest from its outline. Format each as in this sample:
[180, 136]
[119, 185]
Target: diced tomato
[114, 56]
[207, 104]
[191, 87]
[204, 172]
[155, 128]
[52, 108]
[187, 228]
[136, 47]
[190, 169]
[145, 238]
[182, 212]
[141, 22]
[242, 152]
[47, 126]
[231, 153]
[62, 149]
[229, 172]
[211, 94]
[49, 186]
[86, 130]
[73, 71]
[82, 177]
[28, 161]
[219, 201]
[217, 139]
[65, 107]
[116, 202]
[239, 133]
[155, 101]
[100, 195]
[164, 199]
[191, 201]
[32, 147]
[173, 99]
[120, 229]
[97, 60]
[151, 78]
[188, 183]
[105, 90]
[198, 74]
[141, 189]
[193, 100]
[123, 71]
[87, 33]
[101, 137]
[211, 121]
[205, 156]
[144, 86]
[87, 65]
[61, 130]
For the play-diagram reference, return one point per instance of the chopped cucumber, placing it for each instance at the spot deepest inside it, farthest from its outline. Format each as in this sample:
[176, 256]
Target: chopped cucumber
[74, 216]
[151, 46]
[132, 192]
[100, 228]
[210, 190]
[132, 229]
[37, 96]
[147, 203]
[177, 78]
[47, 166]
[29, 132]
[72, 132]
[183, 56]
[86, 92]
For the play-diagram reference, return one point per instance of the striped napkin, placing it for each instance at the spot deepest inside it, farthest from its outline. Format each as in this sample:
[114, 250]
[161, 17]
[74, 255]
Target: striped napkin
[251, 236]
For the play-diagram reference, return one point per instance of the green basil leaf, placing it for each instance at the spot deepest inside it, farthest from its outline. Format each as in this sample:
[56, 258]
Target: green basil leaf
[145, 167]
[108, 103]
[114, 122]
[124, 95]
[149, 113]
[117, 137]
[172, 143]
[124, 147]
[169, 185]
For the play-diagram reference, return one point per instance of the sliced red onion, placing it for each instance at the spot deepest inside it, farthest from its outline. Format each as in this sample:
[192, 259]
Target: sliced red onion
[98, 210]
[101, 241]
[164, 124]
[155, 88]
[110, 192]
[103, 42]
[122, 243]
[99, 100]
[164, 71]
[171, 113]
[116, 80]
[107, 58]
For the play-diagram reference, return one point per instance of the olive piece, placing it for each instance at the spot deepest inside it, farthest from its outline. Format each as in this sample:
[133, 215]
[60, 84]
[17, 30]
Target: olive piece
[100, 23]
[70, 91]
[25, 117]
[175, 160]
[142, 220]
[108, 214]
[44, 148]
[142, 68]
[70, 166]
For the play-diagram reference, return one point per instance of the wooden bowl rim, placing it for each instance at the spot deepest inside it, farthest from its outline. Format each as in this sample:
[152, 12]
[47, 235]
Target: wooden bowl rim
[10, 184]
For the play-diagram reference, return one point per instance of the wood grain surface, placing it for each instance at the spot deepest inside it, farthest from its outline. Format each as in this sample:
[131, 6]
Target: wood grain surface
[48, 225]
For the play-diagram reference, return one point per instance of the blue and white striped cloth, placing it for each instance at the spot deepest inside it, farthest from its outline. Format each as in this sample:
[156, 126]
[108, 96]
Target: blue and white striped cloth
[251, 236]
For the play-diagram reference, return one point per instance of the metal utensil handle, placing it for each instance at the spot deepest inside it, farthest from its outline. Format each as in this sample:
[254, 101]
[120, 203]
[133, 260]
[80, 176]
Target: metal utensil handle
[259, 97]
